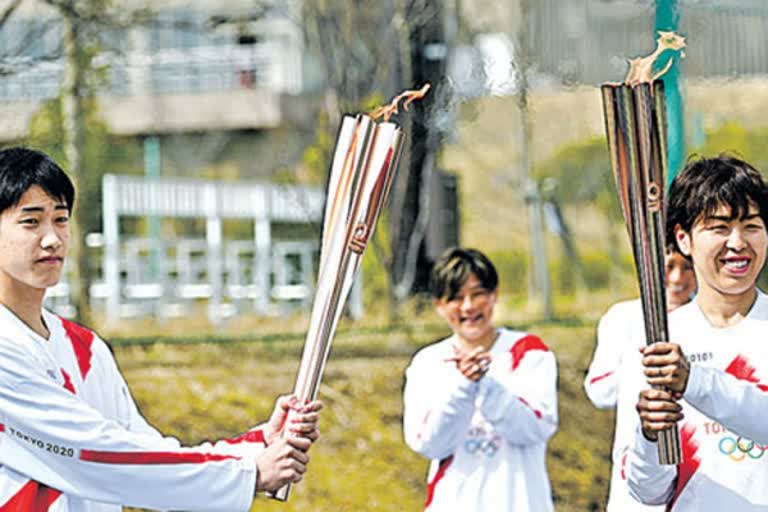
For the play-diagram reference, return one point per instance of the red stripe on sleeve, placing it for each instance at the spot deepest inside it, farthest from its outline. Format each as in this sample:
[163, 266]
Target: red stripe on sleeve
[2, 427]
[253, 436]
[82, 341]
[151, 458]
[691, 461]
[624, 465]
[600, 377]
[535, 411]
[33, 497]
[525, 345]
[441, 469]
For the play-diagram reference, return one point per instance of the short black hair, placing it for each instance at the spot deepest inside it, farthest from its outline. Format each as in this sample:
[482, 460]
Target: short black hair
[452, 269]
[708, 183]
[21, 168]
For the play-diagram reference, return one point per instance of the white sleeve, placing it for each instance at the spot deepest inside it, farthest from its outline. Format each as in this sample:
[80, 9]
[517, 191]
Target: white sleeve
[739, 405]
[52, 436]
[522, 404]
[437, 410]
[649, 482]
[601, 381]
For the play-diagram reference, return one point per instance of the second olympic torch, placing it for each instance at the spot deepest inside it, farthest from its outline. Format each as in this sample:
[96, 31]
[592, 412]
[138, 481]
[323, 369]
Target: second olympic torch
[635, 125]
[362, 171]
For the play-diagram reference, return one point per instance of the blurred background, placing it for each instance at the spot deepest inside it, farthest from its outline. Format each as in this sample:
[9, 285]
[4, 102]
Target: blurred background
[199, 134]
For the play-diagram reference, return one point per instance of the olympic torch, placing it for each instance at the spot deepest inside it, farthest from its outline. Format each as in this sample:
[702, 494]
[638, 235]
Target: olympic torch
[362, 171]
[635, 125]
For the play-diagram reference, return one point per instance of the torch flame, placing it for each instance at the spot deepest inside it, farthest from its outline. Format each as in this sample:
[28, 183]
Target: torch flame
[391, 109]
[641, 68]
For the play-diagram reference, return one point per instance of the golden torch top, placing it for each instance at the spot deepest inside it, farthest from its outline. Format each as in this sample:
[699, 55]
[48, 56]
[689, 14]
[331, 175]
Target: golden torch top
[641, 68]
[387, 111]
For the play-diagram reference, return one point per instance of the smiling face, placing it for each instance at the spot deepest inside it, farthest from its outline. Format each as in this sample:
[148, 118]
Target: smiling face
[680, 280]
[34, 237]
[469, 312]
[727, 253]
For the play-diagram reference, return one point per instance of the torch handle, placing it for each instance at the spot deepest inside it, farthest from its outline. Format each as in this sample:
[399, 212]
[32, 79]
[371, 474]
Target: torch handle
[636, 132]
[669, 447]
[316, 349]
[668, 444]
[282, 494]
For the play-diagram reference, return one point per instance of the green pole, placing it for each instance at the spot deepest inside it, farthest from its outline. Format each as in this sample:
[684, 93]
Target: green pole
[152, 164]
[668, 19]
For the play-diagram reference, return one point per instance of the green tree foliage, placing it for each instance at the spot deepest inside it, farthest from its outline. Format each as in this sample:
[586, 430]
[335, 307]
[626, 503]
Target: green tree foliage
[581, 173]
[734, 138]
[46, 133]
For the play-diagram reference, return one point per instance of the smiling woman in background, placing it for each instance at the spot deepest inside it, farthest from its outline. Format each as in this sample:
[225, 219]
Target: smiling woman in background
[482, 403]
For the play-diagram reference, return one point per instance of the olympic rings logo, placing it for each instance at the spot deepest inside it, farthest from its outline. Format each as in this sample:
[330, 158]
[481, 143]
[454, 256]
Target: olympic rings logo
[482, 442]
[739, 449]
[487, 447]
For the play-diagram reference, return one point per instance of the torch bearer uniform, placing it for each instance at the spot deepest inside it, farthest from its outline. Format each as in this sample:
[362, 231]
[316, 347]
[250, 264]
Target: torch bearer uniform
[487, 439]
[72, 439]
[613, 333]
[724, 435]
[613, 379]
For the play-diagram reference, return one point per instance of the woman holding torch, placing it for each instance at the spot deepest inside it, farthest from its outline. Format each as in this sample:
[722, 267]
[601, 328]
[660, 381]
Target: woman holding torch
[714, 377]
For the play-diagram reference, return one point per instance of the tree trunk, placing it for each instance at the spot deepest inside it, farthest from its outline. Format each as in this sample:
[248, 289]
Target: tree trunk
[410, 202]
[74, 142]
[539, 289]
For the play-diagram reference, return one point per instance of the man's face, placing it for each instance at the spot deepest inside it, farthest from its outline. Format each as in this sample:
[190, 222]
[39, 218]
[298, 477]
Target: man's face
[34, 237]
[680, 280]
[727, 254]
[470, 312]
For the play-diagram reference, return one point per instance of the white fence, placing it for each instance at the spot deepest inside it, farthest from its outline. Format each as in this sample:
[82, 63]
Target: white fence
[164, 276]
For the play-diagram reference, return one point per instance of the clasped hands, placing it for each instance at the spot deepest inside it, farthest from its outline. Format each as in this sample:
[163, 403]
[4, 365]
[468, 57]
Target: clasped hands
[473, 364]
[666, 370]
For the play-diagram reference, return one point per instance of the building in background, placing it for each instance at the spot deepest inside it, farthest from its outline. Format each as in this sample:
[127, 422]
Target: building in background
[220, 90]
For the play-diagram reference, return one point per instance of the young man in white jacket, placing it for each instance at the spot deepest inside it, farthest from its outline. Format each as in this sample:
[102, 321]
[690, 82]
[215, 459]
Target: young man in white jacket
[716, 371]
[616, 354]
[71, 436]
[482, 403]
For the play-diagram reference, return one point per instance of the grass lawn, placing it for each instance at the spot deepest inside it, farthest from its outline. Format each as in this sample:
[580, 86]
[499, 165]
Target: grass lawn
[204, 391]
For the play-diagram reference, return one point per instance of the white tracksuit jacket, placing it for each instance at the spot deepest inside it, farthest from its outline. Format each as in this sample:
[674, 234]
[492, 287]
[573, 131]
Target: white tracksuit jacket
[613, 337]
[72, 439]
[487, 439]
[724, 434]
[620, 335]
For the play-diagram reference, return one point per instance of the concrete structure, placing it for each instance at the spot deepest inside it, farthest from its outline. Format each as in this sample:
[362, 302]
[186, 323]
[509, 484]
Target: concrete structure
[211, 89]
[192, 67]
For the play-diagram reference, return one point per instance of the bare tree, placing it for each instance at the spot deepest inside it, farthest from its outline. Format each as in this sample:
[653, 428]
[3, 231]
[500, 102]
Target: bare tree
[79, 21]
[380, 48]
